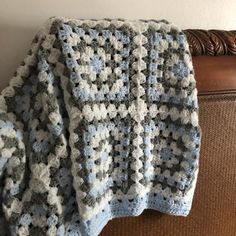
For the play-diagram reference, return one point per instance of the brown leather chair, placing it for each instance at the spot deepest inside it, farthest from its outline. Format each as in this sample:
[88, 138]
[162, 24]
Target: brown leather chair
[214, 205]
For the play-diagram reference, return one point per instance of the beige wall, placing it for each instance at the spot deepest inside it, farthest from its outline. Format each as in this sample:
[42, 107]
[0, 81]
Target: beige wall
[20, 19]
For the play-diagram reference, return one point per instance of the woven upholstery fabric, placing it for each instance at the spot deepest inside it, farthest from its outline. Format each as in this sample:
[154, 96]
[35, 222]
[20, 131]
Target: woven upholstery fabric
[213, 211]
[100, 121]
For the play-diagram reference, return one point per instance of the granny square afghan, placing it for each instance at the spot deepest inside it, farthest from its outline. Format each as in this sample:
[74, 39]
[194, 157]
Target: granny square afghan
[99, 121]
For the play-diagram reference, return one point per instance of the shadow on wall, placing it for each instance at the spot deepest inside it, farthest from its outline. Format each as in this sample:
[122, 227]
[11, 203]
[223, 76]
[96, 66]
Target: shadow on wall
[14, 44]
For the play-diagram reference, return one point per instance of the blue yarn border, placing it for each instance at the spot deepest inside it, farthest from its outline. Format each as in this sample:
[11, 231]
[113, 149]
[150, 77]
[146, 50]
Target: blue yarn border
[124, 208]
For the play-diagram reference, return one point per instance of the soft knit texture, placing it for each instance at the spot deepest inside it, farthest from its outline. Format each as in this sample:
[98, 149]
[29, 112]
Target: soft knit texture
[99, 121]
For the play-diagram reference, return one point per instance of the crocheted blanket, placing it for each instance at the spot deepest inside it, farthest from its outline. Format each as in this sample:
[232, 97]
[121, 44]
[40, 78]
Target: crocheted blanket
[99, 121]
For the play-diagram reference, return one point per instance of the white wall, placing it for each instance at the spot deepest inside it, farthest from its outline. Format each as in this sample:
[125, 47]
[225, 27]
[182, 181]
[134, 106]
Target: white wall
[20, 19]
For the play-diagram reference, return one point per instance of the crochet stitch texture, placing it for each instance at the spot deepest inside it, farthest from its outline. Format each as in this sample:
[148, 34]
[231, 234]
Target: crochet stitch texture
[99, 121]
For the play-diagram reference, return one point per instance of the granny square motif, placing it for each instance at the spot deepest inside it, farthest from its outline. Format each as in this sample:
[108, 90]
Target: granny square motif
[100, 121]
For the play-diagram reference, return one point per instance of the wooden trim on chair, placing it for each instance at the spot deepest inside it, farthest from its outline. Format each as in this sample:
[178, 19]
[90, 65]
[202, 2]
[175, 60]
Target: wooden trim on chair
[211, 42]
[214, 59]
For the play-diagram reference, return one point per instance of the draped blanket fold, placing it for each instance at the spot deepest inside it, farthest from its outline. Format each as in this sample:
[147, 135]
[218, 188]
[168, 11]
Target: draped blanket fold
[99, 121]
